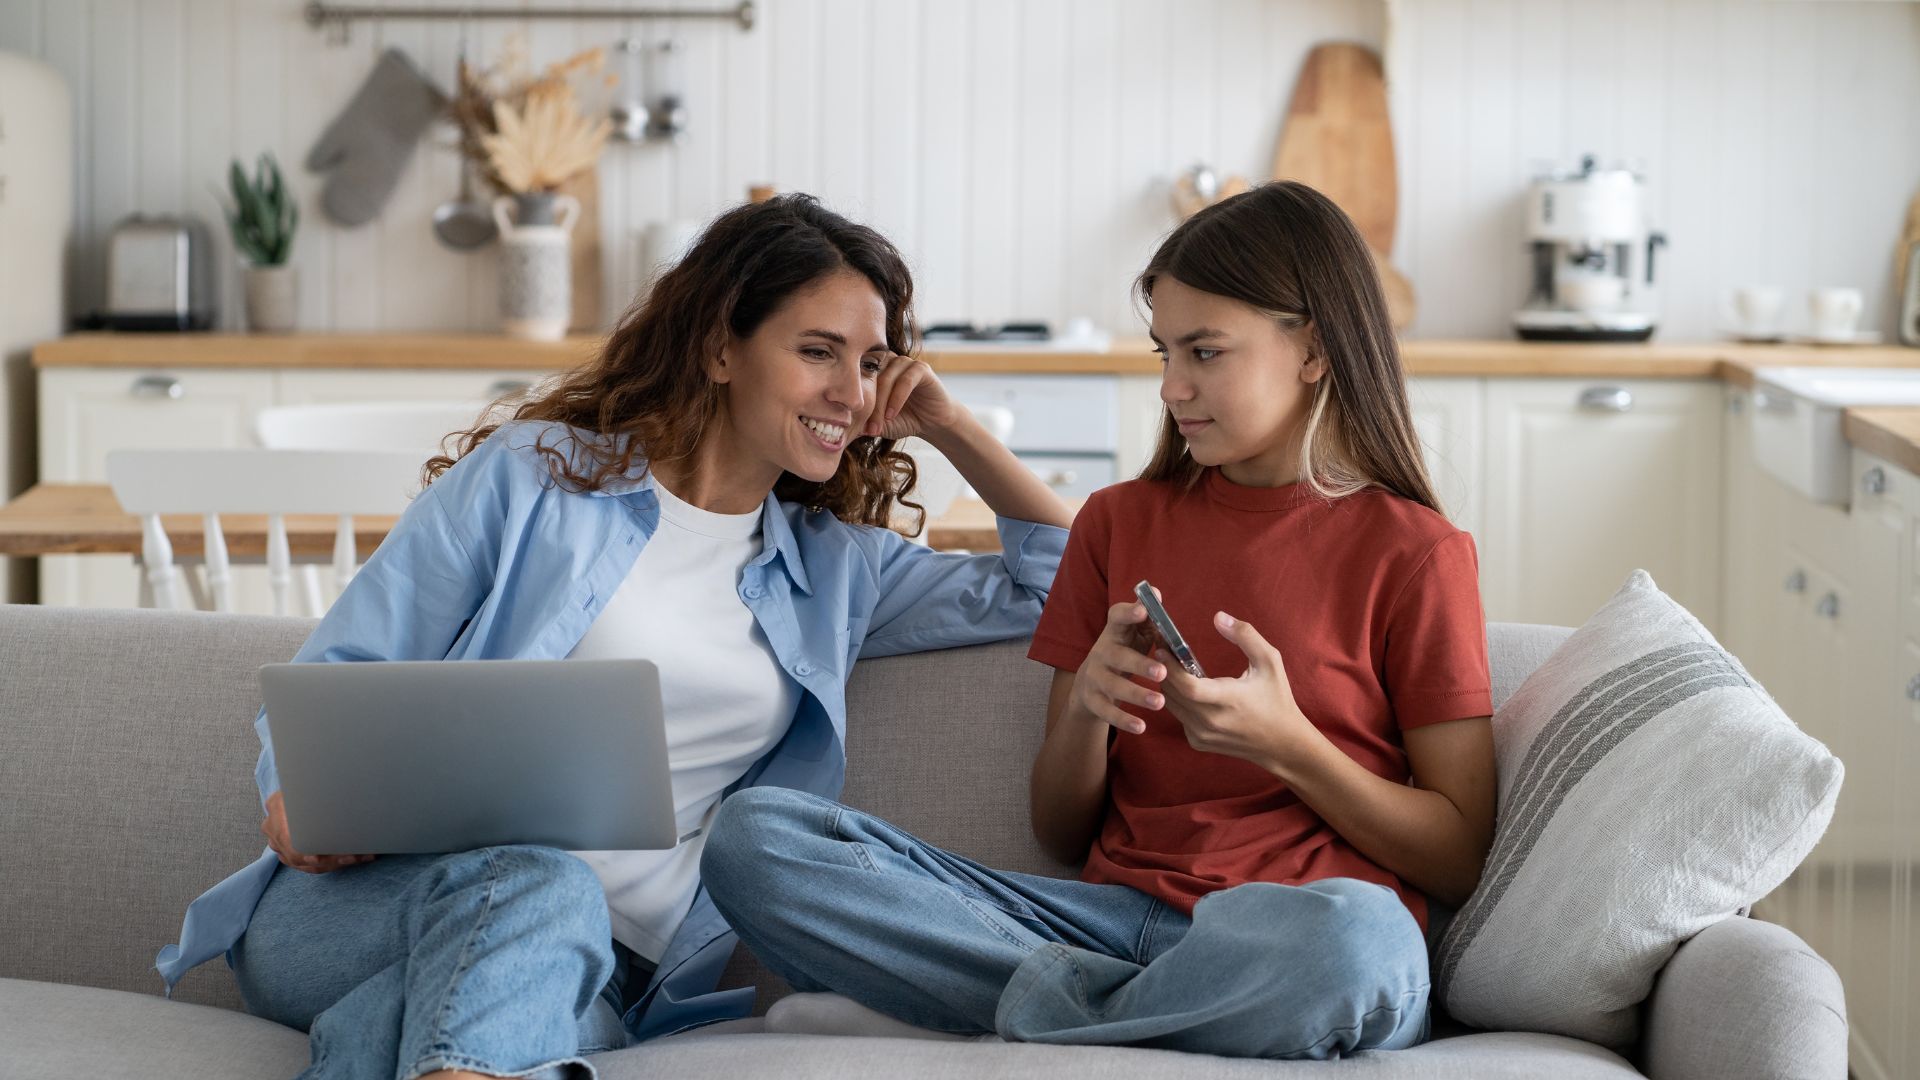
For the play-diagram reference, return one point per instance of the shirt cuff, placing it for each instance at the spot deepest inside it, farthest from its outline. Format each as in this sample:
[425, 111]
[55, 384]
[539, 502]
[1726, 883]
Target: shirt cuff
[1417, 710]
[1032, 551]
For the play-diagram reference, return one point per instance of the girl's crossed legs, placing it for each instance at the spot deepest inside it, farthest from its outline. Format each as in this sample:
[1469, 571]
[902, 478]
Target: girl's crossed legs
[833, 899]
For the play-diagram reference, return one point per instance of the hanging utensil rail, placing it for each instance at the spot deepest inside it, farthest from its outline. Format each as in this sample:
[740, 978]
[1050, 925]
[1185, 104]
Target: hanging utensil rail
[337, 17]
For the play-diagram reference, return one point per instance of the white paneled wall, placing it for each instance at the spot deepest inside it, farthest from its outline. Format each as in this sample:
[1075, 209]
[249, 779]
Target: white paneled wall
[1020, 150]
[1782, 141]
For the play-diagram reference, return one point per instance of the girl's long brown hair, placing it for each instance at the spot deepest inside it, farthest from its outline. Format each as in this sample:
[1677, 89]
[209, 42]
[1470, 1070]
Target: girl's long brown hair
[1292, 254]
[648, 387]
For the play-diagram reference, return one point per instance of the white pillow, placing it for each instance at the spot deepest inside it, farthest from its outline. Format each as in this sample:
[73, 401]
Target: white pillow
[1648, 789]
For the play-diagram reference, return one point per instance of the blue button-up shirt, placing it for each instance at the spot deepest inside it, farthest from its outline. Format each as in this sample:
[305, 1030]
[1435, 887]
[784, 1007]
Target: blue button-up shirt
[496, 561]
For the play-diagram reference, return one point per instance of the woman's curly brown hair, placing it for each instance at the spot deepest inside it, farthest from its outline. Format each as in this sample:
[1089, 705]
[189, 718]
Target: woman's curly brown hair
[648, 388]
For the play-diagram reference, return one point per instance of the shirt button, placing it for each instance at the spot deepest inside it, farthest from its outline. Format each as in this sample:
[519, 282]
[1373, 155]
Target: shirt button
[753, 592]
[803, 669]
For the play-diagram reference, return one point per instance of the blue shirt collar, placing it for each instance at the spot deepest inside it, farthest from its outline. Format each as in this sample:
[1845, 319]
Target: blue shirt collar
[634, 490]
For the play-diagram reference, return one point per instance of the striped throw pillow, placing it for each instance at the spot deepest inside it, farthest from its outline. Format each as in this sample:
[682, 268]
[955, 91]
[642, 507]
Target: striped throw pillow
[1648, 788]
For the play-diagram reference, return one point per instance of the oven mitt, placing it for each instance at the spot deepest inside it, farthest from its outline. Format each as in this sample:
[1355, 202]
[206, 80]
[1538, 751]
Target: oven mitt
[367, 146]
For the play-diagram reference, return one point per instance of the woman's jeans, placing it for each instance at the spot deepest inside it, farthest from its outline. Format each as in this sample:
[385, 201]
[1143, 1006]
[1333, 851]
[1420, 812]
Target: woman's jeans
[498, 961]
[833, 899]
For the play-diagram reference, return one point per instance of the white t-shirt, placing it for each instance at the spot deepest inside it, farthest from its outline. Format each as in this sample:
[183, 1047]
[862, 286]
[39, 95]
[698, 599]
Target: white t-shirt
[726, 698]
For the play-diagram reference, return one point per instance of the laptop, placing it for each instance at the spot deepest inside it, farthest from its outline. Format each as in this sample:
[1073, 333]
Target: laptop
[413, 757]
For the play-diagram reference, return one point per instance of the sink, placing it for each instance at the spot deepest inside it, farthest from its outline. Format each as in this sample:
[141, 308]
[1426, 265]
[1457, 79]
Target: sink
[1796, 422]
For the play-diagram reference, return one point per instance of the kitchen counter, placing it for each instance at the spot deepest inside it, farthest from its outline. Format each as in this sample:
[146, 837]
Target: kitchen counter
[1128, 356]
[1890, 433]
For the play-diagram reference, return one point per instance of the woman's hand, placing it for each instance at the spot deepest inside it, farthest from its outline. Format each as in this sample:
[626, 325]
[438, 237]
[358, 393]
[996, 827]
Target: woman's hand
[909, 400]
[275, 828]
[1102, 683]
[1253, 717]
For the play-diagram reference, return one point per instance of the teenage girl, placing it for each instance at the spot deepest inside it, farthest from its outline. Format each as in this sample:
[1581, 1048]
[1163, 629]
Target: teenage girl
[1260, 844]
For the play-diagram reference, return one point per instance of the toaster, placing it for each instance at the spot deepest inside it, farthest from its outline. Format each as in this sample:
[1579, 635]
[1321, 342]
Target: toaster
[159, 274]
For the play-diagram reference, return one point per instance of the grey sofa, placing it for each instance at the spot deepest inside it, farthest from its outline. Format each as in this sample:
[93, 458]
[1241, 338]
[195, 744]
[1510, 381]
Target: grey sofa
[126, 756]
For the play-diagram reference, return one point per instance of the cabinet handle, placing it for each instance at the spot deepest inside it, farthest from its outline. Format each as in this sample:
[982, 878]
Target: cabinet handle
[1607, 399]
[1828, 607]
[1913, 688]
[508, 388]
[1874, 481]
[1797, 581]
[158, 386]
[1062, 477]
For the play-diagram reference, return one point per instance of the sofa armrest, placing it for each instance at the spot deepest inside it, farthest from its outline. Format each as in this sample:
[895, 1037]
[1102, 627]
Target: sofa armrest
[1746, 998]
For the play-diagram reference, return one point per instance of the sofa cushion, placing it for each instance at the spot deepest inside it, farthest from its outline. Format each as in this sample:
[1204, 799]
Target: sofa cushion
[126, 784]
[1649, 788]
[55, 1030]
[1505, 1056]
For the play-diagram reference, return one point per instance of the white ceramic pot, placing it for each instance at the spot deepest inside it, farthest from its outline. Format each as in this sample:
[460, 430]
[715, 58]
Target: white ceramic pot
[273, 298]
[536, 264]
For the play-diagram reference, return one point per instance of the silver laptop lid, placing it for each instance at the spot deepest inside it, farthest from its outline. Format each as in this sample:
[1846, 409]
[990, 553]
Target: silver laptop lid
[393, 757]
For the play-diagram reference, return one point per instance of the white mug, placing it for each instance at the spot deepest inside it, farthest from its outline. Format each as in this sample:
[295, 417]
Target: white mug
[1835, 311]
[1756, 310]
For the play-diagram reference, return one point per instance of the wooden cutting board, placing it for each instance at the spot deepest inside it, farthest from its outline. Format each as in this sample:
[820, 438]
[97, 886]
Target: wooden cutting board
[1338, 140]
[587, 280]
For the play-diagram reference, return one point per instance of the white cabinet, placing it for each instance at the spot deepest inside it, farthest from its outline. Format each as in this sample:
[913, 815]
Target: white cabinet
[1587, 480]
[86, 412]
[1820, 602]
[315, 387]
[1449, 417]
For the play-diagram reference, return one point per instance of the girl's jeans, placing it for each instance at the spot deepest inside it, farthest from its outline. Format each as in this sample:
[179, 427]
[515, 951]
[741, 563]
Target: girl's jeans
[833, 899]
[498, 961]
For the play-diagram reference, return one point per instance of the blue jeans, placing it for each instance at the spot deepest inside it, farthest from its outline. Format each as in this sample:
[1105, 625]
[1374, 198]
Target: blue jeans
[833, 899]
[498, 960]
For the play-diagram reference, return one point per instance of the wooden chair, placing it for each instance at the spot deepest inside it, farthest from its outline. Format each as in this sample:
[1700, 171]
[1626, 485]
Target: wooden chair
[275, 483]
[375, 425]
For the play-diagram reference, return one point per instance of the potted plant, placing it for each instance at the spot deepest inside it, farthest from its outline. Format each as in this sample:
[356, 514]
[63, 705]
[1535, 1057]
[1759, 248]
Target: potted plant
[263, 217]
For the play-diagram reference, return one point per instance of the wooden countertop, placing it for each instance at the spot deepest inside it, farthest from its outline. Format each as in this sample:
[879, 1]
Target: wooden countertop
[1890, 433]
[1128, 356]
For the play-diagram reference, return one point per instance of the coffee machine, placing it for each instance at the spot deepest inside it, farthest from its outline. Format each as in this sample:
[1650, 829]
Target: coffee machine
[1592, 257]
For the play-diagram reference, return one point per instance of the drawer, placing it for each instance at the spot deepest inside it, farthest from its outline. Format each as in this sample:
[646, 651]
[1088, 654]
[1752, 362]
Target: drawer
[1072, 476]
[1051, 413]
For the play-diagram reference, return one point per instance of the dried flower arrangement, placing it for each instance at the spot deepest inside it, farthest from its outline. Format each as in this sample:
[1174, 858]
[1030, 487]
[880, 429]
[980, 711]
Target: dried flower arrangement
[529, 133]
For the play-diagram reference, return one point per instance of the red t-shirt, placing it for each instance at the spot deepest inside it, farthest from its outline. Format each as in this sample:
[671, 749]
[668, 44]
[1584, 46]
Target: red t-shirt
[1374, 604]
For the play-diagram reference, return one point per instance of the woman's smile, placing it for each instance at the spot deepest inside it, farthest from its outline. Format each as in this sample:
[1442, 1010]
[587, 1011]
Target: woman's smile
[830, 435]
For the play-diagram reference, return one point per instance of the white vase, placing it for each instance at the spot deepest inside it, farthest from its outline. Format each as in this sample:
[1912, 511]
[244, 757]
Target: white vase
[536, 264]
[273, 298]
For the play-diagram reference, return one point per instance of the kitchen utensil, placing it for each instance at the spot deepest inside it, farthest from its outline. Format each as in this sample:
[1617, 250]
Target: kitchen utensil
[464, 223]
[1338, 140]
[1907, 276]
[589, 281]
[1590, 242]
[159, 274]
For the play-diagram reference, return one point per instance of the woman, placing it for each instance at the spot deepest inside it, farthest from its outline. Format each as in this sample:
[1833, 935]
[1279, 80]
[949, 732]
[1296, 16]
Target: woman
[1259, 845]
[711, 493]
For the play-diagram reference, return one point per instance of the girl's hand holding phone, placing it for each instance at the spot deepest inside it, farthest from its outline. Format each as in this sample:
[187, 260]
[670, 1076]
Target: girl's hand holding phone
[1253, 717]
[1103, 683]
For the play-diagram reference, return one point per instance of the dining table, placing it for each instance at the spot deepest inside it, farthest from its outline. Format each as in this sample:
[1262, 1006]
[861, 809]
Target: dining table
[85, 519]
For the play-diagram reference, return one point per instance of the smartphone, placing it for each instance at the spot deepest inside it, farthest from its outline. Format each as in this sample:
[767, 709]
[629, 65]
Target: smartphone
[1168, 633]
